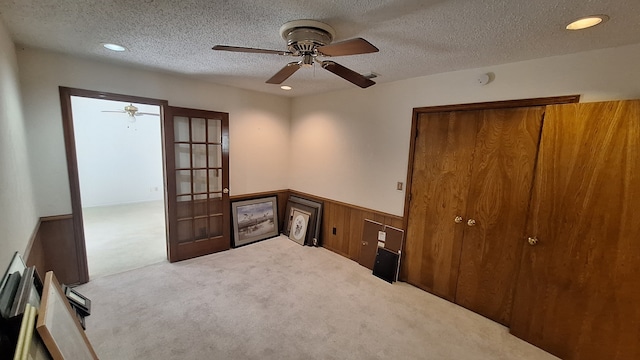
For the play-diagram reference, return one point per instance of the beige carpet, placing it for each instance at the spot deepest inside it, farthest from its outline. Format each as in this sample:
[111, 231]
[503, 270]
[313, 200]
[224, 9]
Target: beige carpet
[278, 300]
[124, 237]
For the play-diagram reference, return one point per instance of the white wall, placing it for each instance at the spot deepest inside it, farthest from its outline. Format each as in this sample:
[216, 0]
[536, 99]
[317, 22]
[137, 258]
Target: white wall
[349, 145]
[119, 161]
[18, 215]
[258, 123]
[353, 145]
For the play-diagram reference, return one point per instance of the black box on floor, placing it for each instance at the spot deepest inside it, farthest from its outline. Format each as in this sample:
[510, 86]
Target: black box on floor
[386, 265]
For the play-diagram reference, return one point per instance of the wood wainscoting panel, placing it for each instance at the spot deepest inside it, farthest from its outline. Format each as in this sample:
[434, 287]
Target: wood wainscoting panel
[336, 225]
[34, 253]
[53, 248]
[348, 222]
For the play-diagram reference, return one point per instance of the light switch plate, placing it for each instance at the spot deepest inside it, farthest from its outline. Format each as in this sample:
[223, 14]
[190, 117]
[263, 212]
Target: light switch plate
[382, 236]
[399, 185]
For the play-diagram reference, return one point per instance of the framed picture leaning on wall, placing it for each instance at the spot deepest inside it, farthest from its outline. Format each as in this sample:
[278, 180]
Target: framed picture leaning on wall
[254, 220]
[314, 209]
[299, 224]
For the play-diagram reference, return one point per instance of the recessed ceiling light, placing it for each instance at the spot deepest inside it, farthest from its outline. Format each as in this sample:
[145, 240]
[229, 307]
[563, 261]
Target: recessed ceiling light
[114, 47]
[587, 22]
[286, 87]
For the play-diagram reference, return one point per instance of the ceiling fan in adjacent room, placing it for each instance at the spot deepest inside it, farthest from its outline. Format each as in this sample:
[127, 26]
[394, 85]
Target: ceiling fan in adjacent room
[132, 111]
[308, 40]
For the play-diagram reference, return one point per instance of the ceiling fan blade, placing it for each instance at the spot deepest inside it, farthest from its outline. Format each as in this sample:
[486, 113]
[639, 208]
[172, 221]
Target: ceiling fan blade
[115, 111]
[249, 50]
[284, 73]
[146, 113]
[348, 47]
[347, 74]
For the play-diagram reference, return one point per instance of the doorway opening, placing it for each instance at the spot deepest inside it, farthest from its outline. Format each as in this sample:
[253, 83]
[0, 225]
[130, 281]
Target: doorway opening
[120, 172]
[194, 152]
[119, 157]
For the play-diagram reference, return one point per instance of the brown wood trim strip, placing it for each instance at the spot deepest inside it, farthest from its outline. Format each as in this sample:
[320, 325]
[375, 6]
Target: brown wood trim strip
[396, 217]
[56, 217]
[112, 96]
[407, 188]
[256, 195]
[74, 180]
[556, 100]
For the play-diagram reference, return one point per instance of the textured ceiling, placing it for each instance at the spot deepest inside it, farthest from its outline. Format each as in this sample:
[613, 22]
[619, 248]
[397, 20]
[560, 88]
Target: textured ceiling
[415, 38]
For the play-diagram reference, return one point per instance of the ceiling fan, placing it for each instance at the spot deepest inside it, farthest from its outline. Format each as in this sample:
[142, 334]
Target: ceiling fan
[132, 111]
[310, 39]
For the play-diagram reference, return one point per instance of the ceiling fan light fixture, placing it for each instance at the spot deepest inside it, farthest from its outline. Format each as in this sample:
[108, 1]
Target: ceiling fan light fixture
[286, 87]
[587, 22]
[307, 61]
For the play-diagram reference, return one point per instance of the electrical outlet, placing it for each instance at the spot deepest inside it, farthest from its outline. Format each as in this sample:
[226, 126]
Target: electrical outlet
[399, 185]
[334, 231]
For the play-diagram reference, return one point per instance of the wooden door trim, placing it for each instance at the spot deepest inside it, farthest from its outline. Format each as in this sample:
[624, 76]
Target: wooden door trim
[504, 104]
[556, 100]
[72, 160]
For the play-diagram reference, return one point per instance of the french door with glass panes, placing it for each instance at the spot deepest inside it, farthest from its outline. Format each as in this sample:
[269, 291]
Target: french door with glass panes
[197, 163]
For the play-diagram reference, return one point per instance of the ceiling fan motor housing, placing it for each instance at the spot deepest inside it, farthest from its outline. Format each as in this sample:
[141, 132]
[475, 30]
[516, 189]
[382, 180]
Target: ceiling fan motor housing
[305, 40]
[131, 110]
[304, 36]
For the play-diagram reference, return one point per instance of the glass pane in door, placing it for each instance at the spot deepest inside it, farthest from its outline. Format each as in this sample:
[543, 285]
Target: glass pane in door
[181, 129]
[183, 160]
[198, 130]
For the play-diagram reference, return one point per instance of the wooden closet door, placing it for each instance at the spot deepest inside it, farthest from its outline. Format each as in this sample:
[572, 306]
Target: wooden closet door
[440, 181]
[498, 200]
[578, 293]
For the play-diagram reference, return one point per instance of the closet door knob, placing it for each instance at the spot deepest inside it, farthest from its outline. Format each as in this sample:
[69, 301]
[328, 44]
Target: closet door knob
[458, 219]
[471, 222]
[532, 241]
